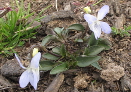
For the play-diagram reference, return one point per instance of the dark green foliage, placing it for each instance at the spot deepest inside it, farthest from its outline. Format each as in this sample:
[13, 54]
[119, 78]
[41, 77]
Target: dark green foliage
[64, 58]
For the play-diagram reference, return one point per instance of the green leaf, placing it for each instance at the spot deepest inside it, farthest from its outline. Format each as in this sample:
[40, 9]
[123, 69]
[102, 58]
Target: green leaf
[127, 28]
[78, 27]
[78, 40]
[50, 56]
[41, 12]
[21, 43]
[96, 65]
[56, 50]
[59, 68]
[46, 65]
[86, 61]
[94, 50]
[58, 30]
[63, 50]
[27, 16]
[47, 39]
[92, 40]
[105, 43]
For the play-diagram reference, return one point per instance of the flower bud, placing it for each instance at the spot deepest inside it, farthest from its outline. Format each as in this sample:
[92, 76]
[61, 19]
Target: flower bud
[87, 9]
[35, 51]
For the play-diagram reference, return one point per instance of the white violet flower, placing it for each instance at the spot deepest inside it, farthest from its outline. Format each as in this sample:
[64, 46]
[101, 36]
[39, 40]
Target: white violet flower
[95, 24]
[32, 72]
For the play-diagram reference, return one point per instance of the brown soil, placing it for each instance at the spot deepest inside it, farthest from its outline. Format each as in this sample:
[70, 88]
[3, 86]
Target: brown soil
[115, 75]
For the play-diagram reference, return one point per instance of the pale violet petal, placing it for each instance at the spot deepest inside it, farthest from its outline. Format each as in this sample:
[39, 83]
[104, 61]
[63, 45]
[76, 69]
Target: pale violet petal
[95, 27]
[19, 61]
[34, 78]
[24, 79]
[35, 60]
[89, 18]
[37, 73]
[105, 27]
[102, 12]
[31, 78]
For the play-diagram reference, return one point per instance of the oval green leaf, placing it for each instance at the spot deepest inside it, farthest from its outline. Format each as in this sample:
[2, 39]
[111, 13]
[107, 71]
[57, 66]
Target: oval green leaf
[56, 50]
[86, 61]
[78, 40]
[50, 56]
[96, 65]
[58, 30]
[94, 50]
[92, 40]
[60, 68]
[46, 65]
[47, 39]
[105, 43]
[63, 50]
[78, 27]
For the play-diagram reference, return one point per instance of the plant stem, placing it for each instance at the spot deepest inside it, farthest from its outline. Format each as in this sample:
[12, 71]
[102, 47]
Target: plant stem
[97, 2]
